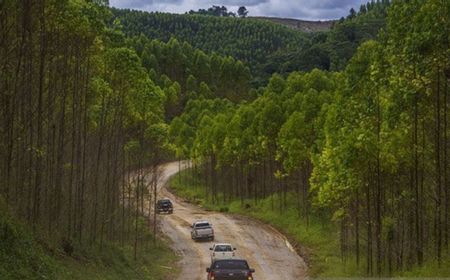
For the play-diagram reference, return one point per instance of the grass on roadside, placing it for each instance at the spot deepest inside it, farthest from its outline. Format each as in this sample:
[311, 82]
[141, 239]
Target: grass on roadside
[23, 256]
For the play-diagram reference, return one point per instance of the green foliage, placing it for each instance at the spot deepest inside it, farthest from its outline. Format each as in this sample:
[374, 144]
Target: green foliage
[217, 11]
[89, 92]
[252, 132]
[264, 46]
[84, 111]
[247, 40]
[357, 28]
[369, 145]
[185, 73]
[23, 256]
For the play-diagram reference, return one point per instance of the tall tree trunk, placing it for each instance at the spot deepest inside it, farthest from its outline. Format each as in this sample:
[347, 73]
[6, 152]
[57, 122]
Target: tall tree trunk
[419, 250]
[438, 228]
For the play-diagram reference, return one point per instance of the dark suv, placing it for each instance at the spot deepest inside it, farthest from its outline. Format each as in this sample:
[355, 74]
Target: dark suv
[232, 269]
[164, 206]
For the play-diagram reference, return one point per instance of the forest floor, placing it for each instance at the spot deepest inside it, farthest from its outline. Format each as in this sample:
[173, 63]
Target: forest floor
[266, 249]
[316, 240]
[24, 255]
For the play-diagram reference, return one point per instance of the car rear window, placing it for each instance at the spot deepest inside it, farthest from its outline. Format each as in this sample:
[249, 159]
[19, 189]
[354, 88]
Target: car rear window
[230, 264]
[201, 225]
[223, 248]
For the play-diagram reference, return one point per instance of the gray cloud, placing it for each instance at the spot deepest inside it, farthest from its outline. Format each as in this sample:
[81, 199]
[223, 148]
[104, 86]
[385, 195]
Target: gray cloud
[247, 3]
[301, 9]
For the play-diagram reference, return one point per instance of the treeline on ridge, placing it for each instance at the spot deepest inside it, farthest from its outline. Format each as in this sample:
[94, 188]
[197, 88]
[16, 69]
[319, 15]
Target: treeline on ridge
[264, 46]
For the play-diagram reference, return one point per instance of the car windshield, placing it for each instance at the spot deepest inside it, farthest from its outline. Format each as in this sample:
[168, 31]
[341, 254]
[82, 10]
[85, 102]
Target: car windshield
[230, 264]
[202, 225]
[164, 202]
[223, 248]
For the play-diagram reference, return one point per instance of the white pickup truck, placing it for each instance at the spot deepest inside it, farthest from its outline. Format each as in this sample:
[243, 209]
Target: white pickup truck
[222, 251]
[202, 230]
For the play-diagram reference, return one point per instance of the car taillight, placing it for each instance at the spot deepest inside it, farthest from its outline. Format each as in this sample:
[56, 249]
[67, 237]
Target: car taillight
[214, 254]
[233, 254]
[249, 276]
[212, 276]
[212, 230]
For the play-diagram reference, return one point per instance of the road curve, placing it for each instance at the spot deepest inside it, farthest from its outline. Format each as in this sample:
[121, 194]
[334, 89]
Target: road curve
[266, 250]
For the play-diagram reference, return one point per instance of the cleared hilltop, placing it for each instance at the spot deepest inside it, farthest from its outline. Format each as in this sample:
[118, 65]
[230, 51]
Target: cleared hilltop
[302, 25]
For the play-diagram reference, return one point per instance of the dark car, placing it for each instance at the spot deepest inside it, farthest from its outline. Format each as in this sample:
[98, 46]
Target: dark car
[231, 269]
[164, 206]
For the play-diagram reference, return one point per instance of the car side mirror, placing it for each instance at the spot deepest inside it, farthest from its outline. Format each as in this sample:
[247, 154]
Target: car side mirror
[210, 249]
[252, 270]
[191, 226]
[234, 249]
[208, 270]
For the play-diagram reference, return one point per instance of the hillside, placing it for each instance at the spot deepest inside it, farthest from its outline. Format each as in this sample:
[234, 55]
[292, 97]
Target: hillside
[265, 45]
[301, 25]
[25, 255]
[251, 41]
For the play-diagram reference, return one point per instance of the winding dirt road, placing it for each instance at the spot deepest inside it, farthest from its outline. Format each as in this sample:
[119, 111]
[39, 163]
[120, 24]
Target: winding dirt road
[266, 250]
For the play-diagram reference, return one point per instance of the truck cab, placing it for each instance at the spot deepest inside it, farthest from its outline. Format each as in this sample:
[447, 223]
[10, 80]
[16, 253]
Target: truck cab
[164, 206]
[202, 230]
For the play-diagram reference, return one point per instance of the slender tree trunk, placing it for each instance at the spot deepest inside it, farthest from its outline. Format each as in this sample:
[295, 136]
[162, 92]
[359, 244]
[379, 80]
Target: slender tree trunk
[357, 228]
[438, 228]
[369, 228]
[378, 189]
[418, 195]
[446, 168]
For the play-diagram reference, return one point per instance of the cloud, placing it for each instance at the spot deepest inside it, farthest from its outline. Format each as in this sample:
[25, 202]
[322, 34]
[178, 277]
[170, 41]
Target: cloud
[301, 9]
[141, 4]
[247, 3]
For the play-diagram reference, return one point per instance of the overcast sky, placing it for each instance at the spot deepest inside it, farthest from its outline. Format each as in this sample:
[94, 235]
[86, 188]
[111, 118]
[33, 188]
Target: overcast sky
[300, 9]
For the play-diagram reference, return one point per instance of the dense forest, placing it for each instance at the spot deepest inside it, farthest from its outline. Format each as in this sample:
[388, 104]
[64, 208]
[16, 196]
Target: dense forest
[191, 72]
[80, 117]
[349, 125]
[366, 147]
[264, 47]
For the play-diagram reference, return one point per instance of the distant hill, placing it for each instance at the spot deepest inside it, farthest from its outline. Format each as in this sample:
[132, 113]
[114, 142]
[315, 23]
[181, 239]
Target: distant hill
[249, 40]
[265, 44]
[302, 25]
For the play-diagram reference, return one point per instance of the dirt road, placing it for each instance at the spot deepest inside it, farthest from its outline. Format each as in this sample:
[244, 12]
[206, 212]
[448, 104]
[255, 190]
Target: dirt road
[266, 250]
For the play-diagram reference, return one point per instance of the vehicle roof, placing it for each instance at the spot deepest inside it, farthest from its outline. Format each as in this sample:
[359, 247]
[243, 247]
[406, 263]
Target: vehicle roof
[164, 200]
[201, 222]
[218, 244]
[231, 260]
